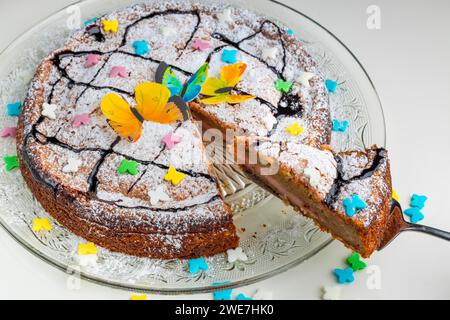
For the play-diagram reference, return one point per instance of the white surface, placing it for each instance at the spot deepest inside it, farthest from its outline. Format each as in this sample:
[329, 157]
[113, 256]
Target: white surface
[408, 62]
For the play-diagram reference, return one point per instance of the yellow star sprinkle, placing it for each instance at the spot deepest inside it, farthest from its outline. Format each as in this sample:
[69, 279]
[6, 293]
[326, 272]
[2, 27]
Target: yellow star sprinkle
[110, 25]
[139, 297]
[395, 195]
[41, 224]
[87, 248]
[295, 129]
[174, 176]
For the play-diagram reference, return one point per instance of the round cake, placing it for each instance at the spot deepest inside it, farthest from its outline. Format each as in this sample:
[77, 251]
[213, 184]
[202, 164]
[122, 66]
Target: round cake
[155, 194]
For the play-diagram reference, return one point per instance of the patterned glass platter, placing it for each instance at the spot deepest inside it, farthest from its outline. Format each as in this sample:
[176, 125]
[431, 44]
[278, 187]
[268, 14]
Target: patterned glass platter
[273, 237]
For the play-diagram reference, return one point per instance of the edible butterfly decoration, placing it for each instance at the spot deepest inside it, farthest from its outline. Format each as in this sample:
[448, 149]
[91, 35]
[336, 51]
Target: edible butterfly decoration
[220, 90]
[188, 91]
[154, 103]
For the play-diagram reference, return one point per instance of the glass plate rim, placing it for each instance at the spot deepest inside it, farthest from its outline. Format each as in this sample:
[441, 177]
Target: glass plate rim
[178, 291]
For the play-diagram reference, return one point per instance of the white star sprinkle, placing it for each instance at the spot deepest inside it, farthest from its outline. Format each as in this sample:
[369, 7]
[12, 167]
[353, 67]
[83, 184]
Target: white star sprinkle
[236, 254]
[72, 165]
[304, 78]
[331, 293]
[313, 176]
[225, 16]
[87, 260]
[158, 195]
[168, 31]
[262, 294]
[270, 53]
[48, 110]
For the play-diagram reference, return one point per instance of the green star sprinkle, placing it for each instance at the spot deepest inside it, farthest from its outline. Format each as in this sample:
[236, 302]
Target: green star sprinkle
[11, 162]
[283, 86]
[355, 262]
[128, 166]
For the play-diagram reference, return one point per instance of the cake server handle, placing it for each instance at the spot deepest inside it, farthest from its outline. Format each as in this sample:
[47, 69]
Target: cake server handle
[428, 230]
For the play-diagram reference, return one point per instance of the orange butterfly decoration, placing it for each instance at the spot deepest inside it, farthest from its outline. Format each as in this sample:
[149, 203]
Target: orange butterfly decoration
[220, 90]
[153, 104]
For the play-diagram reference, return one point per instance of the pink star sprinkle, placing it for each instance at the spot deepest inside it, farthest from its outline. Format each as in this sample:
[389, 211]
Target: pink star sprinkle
[8, 132]
[170, 140]
[121, 72]
[92, 60]
[81, 119]
[200, 45]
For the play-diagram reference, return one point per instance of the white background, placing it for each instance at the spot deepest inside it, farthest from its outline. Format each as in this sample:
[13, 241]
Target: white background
[409, 62]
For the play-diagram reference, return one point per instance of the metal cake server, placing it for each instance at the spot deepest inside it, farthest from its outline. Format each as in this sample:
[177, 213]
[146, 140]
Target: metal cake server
[397, 224]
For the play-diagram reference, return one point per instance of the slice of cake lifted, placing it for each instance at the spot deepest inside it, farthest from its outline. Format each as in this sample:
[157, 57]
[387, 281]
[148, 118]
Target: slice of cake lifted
[347, 194]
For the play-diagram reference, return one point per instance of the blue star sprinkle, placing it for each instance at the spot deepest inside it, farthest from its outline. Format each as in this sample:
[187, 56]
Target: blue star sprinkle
[418, 201]
[414, 214]
[195, 265]
[331, 85]
[290, 31]
[242, 296]
[352, 204]
[229, 56]
[222, 295]
[344, 276]
[14, 109]
[141, 47]
[340, 126]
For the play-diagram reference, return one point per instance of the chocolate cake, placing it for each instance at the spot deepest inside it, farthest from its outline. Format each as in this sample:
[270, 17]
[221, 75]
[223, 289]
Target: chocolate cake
[74, 158]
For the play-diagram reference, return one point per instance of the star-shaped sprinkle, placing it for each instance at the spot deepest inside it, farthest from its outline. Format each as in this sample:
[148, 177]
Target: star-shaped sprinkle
[14, 109]
[395, 195]
[174, 176]
[313, 176]
[234, 255]
[355, 262]
[41, 224]
[269, 53]
[119, 71]
[195, 265]
[340, 126]
[170, 140]
[87, 248]
[290, 31]
[87, 260]
[141, 48]
[128, 167]
[262, 294]
[81, 120]
[295, 129]
[331, 293]
[8, 132]
[418, 201]
[73, 165]
[229, 56]
[331, 85]
[11, 162]
[414, 214]
[139, 297]
[49, 110]
[243, 297]
[344, 276]
[110, 25]
[283, 86]
[167, 31]
[225, 16]
[223, 295]
[304, 78]
[200, 45]
[353, 204]
[92, 60]
[158, 195]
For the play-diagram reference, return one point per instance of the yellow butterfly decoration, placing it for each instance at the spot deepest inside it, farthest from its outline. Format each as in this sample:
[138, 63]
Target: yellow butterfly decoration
[153, 104]
[220, 90]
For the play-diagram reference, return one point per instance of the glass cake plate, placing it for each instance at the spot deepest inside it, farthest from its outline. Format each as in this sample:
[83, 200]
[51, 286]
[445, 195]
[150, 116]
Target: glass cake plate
[272, 235]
